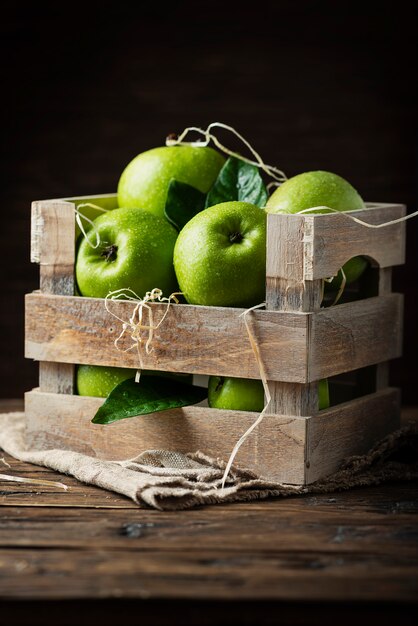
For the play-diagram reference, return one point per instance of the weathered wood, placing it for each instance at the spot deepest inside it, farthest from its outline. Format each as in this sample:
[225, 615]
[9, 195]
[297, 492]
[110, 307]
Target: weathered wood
[194, 339]
[213, 340]
[291, 529]
[293, 398]
[53, 247]
[65, 421]
[276, 449]
[325, 242]
[56, 377]
[289, 295]
[203, 573]
[385, 287]
[356, 334]
[349, 429]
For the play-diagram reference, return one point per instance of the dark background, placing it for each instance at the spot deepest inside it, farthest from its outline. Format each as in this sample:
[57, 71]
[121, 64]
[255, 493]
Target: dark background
[313, 85]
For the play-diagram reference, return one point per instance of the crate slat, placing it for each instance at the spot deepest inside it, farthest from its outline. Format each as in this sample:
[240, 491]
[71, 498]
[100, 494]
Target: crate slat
[276, 449]
[65, 422]
[353, 335]
[309, 247]
[53, 247]
[349, 429]
[194, 339]
[213, 340]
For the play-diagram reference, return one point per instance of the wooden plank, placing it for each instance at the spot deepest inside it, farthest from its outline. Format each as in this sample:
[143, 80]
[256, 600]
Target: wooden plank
[336, 239]
[354, 335]
[56, 377]
[288, 525]
[285, 249]
[283, 294]
[194, 339]
[385, 287]
[326, 241]
[209, 574]
[289, 295]
[275, 449]
[53, 247]
[349, 429]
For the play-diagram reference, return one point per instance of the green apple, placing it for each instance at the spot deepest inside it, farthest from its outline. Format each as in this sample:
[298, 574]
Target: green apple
[220, 256]
[136, 252]
[99, 381]
[242, 394]
[320, 189]
[144, 182]
[239, 394]
[353, 269]
[314, 189]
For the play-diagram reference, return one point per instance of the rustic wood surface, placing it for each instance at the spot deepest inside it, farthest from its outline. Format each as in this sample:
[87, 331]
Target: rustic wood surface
[291, 449]
[348, 429]
[52, 246]
[354, 553]
[354, 335]
[192, 339]
[213, 340]
[321, 244]
[192, 428]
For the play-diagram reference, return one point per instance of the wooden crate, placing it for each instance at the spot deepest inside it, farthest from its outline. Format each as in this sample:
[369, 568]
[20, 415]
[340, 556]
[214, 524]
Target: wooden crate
[300, 344]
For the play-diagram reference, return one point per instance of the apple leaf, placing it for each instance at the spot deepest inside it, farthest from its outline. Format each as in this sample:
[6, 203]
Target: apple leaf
[238, 180]
[183, 202]
[151, 394]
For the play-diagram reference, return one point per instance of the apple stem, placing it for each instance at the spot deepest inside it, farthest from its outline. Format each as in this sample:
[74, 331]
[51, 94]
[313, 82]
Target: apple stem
[235, 237]
[110, 253]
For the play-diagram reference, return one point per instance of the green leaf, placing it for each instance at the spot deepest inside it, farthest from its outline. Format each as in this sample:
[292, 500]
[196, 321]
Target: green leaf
[183, 202]
[238, 180]
[151, 394]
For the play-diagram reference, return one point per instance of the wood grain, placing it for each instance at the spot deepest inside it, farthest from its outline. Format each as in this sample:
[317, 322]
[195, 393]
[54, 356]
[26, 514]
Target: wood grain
[349, 429]
[213, 340]
[289, 295]
[275, 449]
[294, 450]
[204, 574]
[325, 242]
[385, 287]
[291, 529]
[53, 247]
[194, 339]
[350, 336]
[56, 377]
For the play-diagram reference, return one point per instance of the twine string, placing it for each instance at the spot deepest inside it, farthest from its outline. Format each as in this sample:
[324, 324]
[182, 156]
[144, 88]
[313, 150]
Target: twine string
[399, 220]
[273, 172]
[135, 325]
[33, 481]
[263, 376]
[79, 217]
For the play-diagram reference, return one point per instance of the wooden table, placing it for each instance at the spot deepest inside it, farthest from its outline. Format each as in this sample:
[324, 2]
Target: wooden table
[86, 555]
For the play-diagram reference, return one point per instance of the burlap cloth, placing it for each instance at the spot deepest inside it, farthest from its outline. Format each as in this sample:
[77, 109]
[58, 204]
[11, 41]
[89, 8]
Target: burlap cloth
[168, 480]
